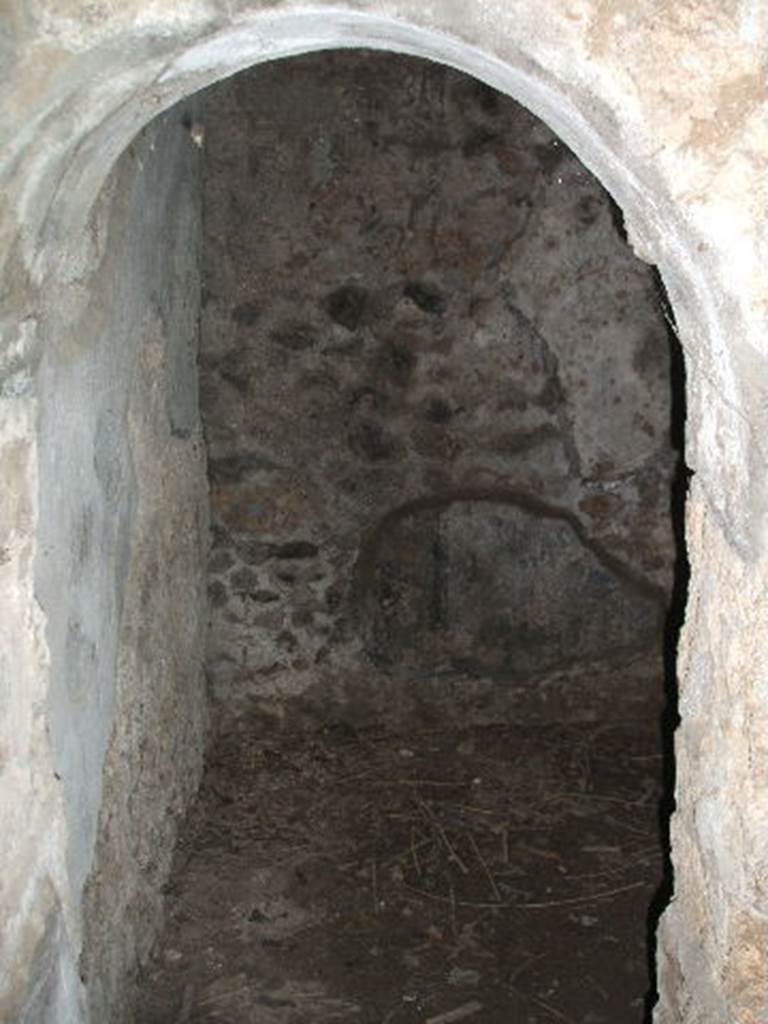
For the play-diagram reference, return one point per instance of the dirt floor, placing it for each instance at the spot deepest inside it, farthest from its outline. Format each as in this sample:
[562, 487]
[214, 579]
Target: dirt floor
[494, 875]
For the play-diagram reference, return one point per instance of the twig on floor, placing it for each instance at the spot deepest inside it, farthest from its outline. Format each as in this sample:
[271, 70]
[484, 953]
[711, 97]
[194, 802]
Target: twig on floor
[587, 898]
[454, 923]
[597, 987]
[522, 968]
[451, 1016]
[534, 851]
[452, 853]
[414, 855]
[542, 1005]
[610, 820]
[550, 1010]
[541, 905]
[486, 869]
[477, 904]
[596, 797]
[440, 783]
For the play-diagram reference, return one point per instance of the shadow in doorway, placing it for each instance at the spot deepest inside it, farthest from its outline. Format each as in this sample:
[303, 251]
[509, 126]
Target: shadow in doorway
[670, 717]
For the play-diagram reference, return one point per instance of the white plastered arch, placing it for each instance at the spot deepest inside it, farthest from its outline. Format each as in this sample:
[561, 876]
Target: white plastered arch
[580, 69]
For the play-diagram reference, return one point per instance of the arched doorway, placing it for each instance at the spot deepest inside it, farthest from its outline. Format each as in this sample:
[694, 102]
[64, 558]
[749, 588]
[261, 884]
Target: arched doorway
[434, 388]
[680, 181]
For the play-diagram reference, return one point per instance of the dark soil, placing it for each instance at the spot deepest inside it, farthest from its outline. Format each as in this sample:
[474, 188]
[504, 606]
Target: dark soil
[494, 875]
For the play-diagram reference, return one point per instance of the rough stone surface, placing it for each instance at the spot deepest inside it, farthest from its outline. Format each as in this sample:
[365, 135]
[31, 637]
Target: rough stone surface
[667, 105]
[153, 761]
[423, 331]
[33, 930]
[123, 534]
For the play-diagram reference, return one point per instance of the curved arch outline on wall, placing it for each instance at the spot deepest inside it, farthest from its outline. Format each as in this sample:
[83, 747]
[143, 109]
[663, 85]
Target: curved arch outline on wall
[371, 545]
[564, 72]
[107, 114]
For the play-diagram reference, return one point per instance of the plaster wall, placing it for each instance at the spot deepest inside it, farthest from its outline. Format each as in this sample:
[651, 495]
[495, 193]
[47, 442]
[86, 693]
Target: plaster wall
[667, 106]
[153, 758]
[122, 526]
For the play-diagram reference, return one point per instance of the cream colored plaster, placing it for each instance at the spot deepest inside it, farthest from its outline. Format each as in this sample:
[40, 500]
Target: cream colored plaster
[666, 103]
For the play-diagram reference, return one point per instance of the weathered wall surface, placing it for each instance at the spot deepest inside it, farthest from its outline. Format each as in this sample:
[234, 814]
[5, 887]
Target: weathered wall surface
[154, 756]
[123, 531]
[667, 104]
[36, 947]
[435, 386]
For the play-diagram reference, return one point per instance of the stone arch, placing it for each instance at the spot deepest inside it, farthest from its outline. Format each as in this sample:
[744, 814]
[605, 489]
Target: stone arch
[677, 183]
[672, 120]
